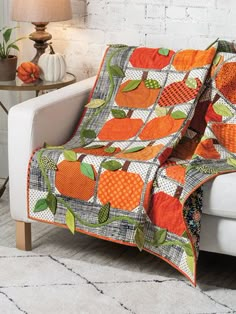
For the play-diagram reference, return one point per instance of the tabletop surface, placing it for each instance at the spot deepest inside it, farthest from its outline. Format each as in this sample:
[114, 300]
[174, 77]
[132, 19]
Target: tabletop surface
[18, 85]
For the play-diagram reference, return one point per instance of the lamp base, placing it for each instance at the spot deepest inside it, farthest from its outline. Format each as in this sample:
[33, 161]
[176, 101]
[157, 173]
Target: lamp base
[40, 37]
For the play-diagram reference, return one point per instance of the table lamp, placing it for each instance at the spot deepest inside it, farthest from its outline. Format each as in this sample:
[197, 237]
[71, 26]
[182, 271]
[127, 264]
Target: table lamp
[40, 13]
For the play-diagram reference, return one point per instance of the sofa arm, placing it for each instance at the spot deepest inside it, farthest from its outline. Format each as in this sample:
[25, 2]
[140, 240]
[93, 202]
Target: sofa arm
[49, 118]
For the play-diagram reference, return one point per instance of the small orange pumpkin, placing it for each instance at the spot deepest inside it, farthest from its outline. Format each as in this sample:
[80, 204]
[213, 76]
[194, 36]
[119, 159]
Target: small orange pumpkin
[28, 72]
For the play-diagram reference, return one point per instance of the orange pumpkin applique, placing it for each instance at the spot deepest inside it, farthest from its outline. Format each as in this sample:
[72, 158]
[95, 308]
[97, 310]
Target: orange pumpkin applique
[96, 151]
[147, 153]
[122, 189]
[120, 129]
[226, 134]
[207, 150]
[160, 127]
[150, 58]
[188, 59]
[226, 81]
[167, 213]
[71, 182]
[141, 97]
[176, 172]
[177, 93]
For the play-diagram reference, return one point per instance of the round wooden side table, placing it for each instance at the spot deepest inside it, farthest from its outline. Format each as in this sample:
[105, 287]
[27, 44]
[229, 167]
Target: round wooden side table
[38, 86]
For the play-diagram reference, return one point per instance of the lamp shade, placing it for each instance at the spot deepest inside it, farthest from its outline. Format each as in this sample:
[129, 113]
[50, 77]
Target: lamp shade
[41, 10]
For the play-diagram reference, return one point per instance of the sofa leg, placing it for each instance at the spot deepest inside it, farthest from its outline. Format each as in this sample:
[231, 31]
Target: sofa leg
[23, 236]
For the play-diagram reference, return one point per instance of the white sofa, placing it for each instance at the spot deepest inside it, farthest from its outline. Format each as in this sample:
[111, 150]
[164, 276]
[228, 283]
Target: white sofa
[51, 118]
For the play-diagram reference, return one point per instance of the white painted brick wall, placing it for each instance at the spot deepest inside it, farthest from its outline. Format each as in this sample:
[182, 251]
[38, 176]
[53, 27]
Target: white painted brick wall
[168, 23]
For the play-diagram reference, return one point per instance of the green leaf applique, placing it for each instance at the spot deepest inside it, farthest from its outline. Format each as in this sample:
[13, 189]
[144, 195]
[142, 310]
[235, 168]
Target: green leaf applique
[178, 114]
[131, 85]
[222, 110]
[112, 165]
[191, 83]
[87, 170]
[152, 84]
[87, 133]
[110, 150]
[164, 51]
[188, 249]
[161, 111]
[159, 237]
[48, 163]
[70, 155]
[185, 234]
[40, 205]
[190, 263]
[95, 103]
[70, 221]
[104, 212]
[93, 146]
[231, 161]
[117, 71]
[216, 59]
[139, 237]
[118, 114]
[133, 149]
[52, 202]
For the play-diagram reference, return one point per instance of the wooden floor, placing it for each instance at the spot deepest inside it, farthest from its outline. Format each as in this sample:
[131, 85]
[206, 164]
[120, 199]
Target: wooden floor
[214, 269]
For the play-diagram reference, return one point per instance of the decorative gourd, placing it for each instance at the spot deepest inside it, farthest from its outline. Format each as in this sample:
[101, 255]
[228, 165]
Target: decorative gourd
[52, 65]
[28, 72]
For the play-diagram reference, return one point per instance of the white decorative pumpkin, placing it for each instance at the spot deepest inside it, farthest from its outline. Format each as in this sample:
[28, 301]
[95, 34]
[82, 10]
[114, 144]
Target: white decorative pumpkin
[52, 66]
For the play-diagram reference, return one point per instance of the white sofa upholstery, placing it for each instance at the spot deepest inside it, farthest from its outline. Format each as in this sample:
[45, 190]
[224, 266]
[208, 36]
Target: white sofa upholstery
[51, 118]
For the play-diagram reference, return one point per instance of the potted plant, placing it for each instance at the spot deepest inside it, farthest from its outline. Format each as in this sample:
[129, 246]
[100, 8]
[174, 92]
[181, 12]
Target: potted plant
[8, 62]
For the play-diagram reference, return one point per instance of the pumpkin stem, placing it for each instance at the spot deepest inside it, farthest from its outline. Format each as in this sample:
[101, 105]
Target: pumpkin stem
[52, 52]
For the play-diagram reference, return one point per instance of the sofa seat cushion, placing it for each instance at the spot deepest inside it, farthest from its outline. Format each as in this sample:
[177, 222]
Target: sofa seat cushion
[219, 196]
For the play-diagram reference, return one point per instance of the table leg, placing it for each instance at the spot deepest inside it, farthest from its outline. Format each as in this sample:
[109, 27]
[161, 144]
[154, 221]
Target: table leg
[3, 187]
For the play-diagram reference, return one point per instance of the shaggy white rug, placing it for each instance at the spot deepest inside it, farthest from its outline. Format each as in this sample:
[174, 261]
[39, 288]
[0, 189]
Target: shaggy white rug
[44, 284]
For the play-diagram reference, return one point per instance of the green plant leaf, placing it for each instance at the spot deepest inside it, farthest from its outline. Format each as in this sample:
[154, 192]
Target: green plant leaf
[87, 170]
[118, 114]
[178, 115]
[222, 110]
[231, 161]
[70, 155]
[133, 149]
[52, 202]
[164, 51]
[7, 34]
[216, 59]
[190, 263]
[139, 237]
[40, 205]
[117, 71]
[48, 163]
[13, 46]
[188, 249]
[131, 85]
[95, 103]
[110, 149]
[88, 133]
[70, 221]
[152, 84]
[104, 212]
[112, 165]
[191, 83]
[161, 111]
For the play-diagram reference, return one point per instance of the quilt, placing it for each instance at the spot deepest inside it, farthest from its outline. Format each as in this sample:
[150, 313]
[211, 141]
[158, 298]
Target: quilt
[158, 124]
